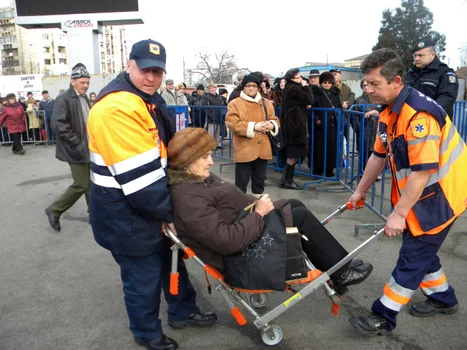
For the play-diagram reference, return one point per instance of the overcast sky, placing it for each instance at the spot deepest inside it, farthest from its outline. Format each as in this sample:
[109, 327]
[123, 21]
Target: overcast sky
[276, 35]
[273, 36]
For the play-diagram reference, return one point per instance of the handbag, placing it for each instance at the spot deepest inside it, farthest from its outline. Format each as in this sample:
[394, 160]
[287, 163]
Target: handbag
[270, 262]
[275, 144]
[261, 265]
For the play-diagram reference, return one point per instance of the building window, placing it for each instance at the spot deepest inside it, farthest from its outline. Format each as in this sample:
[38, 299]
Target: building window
[46, 49]
[46, 62]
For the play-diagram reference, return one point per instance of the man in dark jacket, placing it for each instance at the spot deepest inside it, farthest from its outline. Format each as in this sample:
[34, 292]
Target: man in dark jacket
[215, 115]
[129, 130]
[196, 100]
[47, 105]
[432, 77]
[70, 114]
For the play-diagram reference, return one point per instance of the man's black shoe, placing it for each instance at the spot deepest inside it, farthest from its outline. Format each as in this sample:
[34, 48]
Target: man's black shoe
[54, 221]
[353, 275]
[370, 325]
[161, 343]
[356, 262]
[195, 319]
[431, 307]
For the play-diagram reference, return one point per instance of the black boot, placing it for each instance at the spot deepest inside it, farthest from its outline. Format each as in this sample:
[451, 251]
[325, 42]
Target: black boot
[281, 182]
[355, 274]
[289, 182]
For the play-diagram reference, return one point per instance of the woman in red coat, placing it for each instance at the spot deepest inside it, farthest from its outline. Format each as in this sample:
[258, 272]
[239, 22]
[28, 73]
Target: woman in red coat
[13, 115]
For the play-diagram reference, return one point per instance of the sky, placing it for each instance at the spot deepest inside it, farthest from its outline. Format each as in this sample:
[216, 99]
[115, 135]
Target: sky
[276, 35]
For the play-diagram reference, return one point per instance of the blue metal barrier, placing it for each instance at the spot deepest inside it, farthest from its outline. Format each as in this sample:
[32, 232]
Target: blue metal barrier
[460, 118]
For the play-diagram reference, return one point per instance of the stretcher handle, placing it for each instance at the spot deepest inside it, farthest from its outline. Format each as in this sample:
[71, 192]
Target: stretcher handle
[174, 274]
[238, 316]
[360, 205]
[341, 209]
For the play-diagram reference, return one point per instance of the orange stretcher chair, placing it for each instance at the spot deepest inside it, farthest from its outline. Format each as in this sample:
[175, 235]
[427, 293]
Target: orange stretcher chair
[270, 334]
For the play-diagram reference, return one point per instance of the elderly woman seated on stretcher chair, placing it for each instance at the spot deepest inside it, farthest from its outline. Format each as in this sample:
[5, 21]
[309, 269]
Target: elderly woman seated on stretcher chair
[205, 208]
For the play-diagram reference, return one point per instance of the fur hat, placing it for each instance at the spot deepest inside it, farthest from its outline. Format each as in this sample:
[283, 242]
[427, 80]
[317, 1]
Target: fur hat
[187, 146]
[251, 78]
[223, 91]
[326, 76]
[10, 95]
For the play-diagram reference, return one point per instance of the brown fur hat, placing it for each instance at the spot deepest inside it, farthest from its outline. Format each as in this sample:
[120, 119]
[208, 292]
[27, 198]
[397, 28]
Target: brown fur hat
[327, 76]
[187, 146]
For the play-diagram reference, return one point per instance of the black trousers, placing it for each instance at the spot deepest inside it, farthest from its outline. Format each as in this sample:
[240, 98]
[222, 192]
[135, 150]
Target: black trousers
[16, 138]
[256, 170]
[323, 250]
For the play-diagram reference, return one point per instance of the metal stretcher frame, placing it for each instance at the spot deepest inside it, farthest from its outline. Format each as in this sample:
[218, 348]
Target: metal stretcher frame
[270, 334]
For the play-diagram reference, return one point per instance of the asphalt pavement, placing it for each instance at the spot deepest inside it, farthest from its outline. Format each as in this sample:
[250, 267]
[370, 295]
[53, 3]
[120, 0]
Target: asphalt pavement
[63, 291]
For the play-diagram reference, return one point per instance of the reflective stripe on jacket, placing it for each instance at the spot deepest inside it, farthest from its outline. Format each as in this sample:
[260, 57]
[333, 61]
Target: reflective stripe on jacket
[420, 136]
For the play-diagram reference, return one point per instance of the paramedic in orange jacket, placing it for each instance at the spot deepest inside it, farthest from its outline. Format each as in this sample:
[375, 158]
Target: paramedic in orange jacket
[130, 203]
[428, 159]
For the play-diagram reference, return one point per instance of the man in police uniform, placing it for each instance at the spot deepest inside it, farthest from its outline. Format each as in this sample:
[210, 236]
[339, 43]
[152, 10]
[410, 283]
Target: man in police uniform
[427, 158]
[130, 204]
[432, 77]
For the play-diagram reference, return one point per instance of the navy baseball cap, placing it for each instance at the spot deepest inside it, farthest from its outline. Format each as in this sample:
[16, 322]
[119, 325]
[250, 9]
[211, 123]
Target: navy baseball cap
[337, 70]
[148, 54]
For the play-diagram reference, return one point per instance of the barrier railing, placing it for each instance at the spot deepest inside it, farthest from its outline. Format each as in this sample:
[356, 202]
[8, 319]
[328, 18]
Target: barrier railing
[460, 118]
[37, 130]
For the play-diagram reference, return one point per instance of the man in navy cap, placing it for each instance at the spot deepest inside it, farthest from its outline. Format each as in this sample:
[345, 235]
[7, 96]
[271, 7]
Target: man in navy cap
[432, 77]
[131, 209]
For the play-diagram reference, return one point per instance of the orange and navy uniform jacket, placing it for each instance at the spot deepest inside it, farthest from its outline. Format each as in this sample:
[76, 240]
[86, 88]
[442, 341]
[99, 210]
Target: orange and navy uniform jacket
[128, 133]
[420, 136]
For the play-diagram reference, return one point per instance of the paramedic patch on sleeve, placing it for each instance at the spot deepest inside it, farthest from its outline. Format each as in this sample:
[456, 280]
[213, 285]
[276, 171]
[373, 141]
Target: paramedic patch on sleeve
[419, 128]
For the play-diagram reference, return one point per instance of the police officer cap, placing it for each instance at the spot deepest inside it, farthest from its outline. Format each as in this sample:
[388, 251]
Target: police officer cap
[423, 44]
[148, 54]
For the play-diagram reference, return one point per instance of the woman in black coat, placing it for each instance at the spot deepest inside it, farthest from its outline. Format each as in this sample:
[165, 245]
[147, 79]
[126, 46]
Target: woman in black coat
[297, 99]
[325, 96]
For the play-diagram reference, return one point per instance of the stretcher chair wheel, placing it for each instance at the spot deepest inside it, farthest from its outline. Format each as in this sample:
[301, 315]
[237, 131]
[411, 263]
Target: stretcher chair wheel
[259, 301]
[273, 336]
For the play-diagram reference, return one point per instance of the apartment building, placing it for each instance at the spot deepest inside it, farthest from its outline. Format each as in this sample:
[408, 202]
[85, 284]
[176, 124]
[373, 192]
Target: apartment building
[45, 51]
[113, 49]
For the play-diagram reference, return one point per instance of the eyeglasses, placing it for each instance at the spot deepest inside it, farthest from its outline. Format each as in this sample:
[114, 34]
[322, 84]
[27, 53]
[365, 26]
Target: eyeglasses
[327, 82]
[251, 86]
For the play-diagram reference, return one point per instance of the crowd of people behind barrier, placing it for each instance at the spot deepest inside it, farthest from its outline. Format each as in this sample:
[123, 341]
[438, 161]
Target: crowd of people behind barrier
[25, 120]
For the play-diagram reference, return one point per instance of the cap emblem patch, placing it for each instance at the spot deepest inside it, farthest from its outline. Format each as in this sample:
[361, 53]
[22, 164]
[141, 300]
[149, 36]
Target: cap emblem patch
[155, 49]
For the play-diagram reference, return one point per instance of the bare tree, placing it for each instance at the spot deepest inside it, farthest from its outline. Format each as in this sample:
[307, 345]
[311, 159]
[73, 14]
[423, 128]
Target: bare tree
[218, 69]
[463, 55]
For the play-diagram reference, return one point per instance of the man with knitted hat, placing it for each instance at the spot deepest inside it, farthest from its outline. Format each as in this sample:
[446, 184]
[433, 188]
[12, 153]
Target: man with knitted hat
[69, 116]
[129, 130]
